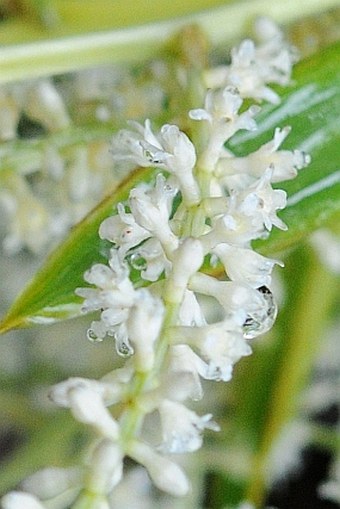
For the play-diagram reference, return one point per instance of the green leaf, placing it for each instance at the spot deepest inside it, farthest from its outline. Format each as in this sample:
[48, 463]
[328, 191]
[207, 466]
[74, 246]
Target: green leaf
[311, 107]
[50, 295]
[267, 387]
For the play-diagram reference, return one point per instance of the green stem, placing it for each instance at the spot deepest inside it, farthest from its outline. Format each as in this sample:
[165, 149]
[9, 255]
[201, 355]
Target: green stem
[26, 157]
[133, 44]
[134, 414]
[303, 334]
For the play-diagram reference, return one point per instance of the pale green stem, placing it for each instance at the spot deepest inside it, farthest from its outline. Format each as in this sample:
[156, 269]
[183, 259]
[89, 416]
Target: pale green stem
[26, 157]
[133, 44]
[303, 338]
[133, 416]
[87, 500]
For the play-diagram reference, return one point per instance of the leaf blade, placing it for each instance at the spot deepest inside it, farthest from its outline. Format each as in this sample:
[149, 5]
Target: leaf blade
[50, 295]
[314, 194]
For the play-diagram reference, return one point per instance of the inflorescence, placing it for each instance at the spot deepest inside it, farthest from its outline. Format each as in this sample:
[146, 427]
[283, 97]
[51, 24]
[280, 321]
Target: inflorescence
[203, 209]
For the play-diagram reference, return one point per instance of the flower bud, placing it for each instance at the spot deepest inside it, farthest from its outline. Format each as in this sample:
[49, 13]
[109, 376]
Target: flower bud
[46, 105]
[105, 469]
[165, 474]
[20, 500]
[187, 260]
[51, 482]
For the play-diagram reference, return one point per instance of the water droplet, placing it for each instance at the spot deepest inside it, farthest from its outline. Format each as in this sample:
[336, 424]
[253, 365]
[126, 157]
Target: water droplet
[150, 156]
[124, 349]
[138, 262]
[262, 320]
[92, 336]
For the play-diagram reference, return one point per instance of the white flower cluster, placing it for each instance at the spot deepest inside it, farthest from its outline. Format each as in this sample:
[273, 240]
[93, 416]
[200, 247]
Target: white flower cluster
[48, 186]
[45, 190]
[203, 208]
[254, 67]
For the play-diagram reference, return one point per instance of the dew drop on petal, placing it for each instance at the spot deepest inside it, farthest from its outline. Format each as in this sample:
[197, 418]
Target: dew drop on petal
[124, 349]
[92, 336]
[138, 262]
[260, 322]
[269, 298]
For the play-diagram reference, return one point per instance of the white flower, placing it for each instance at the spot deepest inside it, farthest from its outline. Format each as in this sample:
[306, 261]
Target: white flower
[27, 216]
[123, 230]
[260, 203]
[237, 299]
[114, 295]
[184, 371]
[140, 234]
[123, 309]
[252, 68]
[150, 259]
[126, 144]
[87, 400]
[51, 482]
[182, 428]
[165, 474]
[245, 265]
[278, 55]
[20, 500]
[190, 312]
[177, 155]
[105, 467]
[188, 259]
[143, 327]
[234, 227]
[221, 345]
[245, 73]
[253, 309]
[114, 288]
[151, 208]
[284, 163]
[170, 150]
[250, 214]
[135, 491]
[43, 102]
[221, 109]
